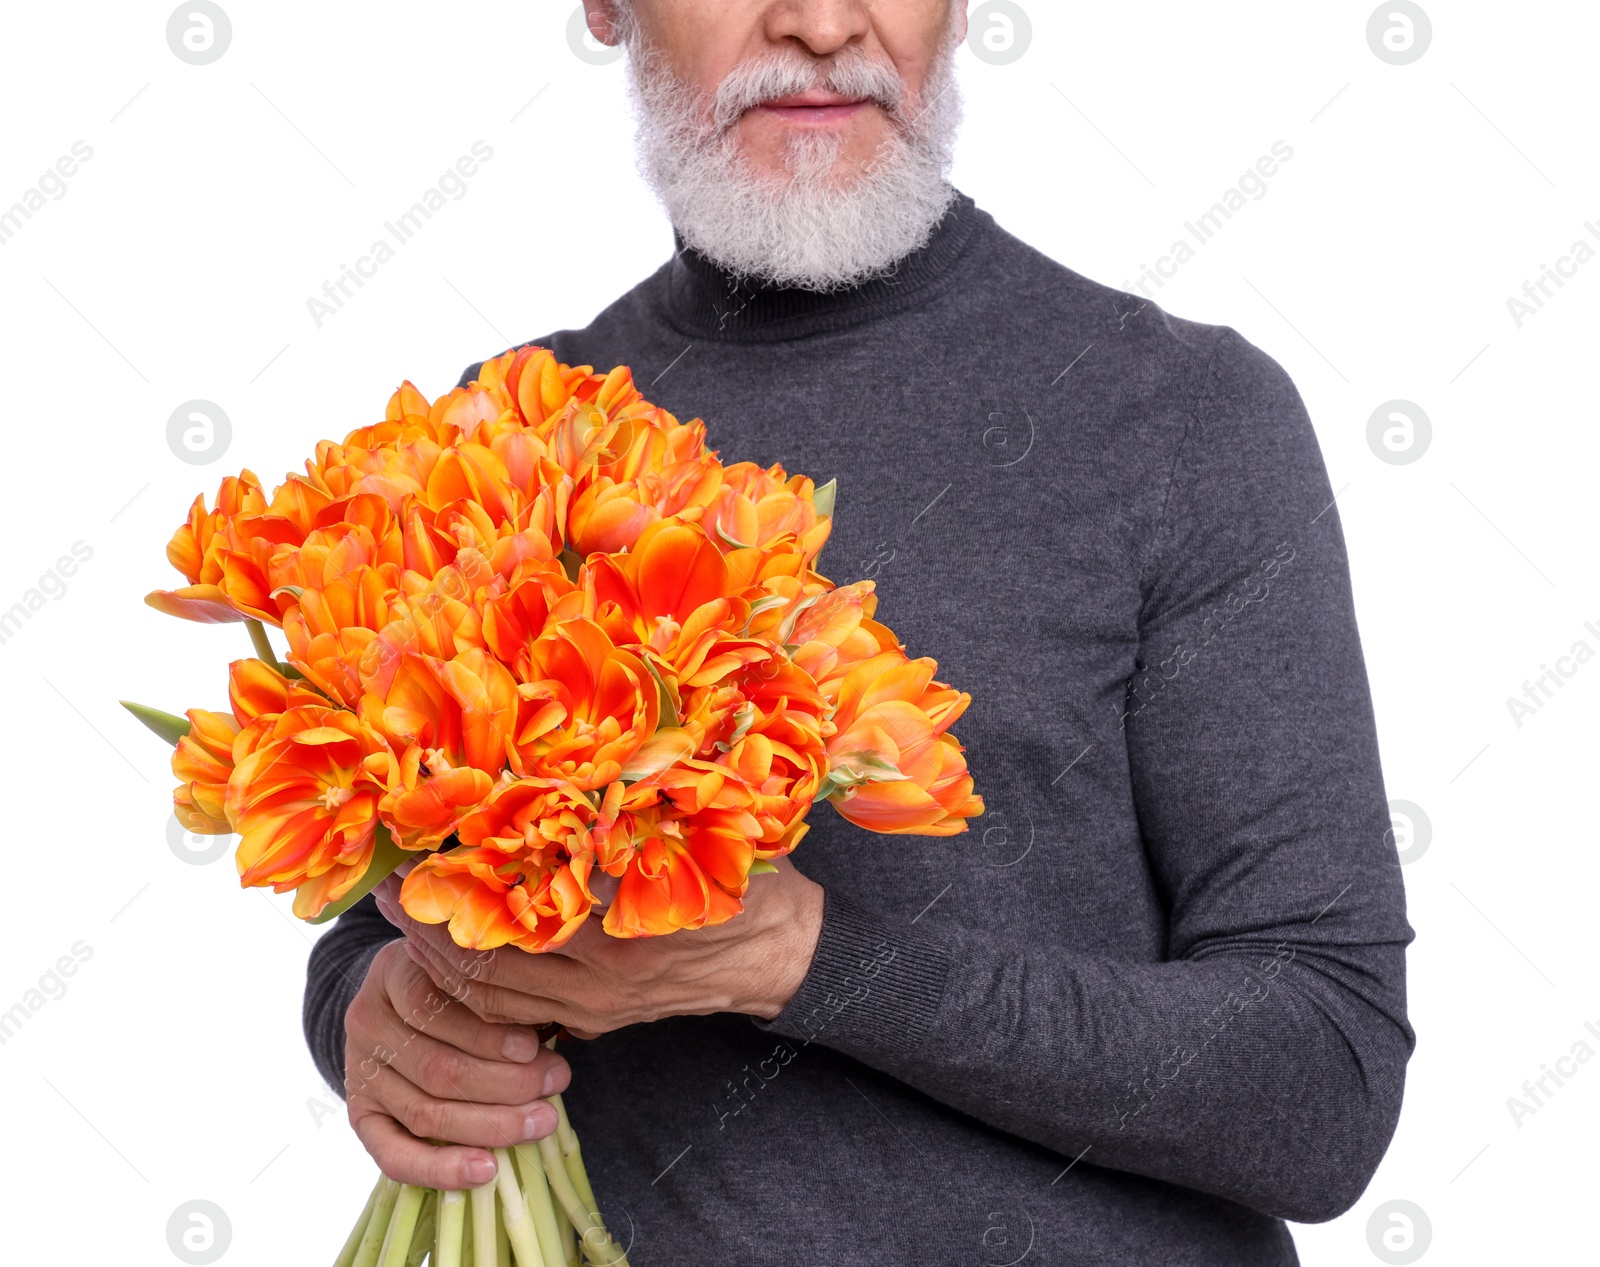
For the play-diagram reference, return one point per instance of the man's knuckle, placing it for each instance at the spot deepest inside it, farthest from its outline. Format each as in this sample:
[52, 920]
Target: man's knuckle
[359, 1013]
[424, 1118]
[438, 1069]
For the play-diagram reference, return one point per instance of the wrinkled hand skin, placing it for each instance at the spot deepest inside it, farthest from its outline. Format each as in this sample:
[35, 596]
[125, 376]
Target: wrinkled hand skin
[420, 1066]
[753, 964]
[441, 1043]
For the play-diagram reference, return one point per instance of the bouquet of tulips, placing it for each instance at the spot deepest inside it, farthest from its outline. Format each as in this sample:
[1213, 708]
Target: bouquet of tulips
[537, 630]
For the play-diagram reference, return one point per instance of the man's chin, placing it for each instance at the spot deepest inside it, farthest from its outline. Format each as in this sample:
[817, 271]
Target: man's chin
[843, 178]
[826, 156]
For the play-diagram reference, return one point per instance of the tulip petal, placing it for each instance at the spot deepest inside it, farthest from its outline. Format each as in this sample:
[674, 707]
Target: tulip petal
[206, 604]
[656, 753]
[386, 856]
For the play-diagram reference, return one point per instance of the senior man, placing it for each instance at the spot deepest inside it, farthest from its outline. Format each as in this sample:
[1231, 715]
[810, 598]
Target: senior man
[1153, 1004]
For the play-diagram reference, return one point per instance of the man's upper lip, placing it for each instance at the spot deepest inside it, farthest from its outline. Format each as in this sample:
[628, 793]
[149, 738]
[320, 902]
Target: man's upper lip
[813, 98]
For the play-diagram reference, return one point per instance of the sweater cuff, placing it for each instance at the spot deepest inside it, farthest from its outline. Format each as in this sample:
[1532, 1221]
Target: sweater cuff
[873, 988]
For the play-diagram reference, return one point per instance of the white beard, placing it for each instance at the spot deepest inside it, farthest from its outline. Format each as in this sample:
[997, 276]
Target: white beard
[805, 229]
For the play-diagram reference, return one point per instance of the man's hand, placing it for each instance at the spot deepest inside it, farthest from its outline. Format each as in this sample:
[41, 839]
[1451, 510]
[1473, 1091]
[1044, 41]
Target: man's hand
[752, 964]
[421, 1066]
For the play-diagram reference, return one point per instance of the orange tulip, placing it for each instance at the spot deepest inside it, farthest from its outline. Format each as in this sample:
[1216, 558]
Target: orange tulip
[756, 507]
[452, 721]
[608, 518]
[323, 557]
[330, 629]
[514, 621]
[589, 708]
[536, 383]
[836, 632]
[667, 887]
[423, 809]
[674, 595]
[227, 553]
[304, 800]
[520, 875]
[202, 762]
[457, 712]
[893, 769]
[191, 545]
[196, 550]
[441, 619]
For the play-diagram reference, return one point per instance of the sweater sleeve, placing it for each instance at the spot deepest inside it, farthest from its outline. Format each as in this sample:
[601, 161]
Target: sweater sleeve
[1263, 1060]
[337, 967]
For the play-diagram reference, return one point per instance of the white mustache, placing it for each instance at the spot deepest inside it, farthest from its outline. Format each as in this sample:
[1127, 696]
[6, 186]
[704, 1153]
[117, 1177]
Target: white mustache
[851, 73]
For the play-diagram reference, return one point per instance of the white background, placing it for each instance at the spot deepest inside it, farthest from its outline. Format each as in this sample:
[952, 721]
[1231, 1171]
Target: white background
[178, 264]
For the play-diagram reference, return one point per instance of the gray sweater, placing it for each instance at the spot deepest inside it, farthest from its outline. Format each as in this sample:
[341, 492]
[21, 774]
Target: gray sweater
[1153, 1004]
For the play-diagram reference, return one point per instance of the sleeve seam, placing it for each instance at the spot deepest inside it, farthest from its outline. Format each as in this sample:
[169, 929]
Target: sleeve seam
[1203, 400]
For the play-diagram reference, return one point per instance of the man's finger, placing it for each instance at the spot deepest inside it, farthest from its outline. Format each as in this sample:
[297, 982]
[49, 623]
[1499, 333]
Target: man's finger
[407, 1159]
[447, 1073]
[460, 1121]
[491, 1003]
[423, 1005]
[583, 945]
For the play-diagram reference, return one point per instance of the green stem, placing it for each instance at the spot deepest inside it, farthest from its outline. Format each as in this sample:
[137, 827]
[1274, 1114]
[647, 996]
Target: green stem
[514, 1212]
[452, 1228]
[540, 1207]
[402, 1223]
[258, 638]
[598, 1246]
[347, 1255]
[572, 1156]
[569, 1239]
[422, 1237]
[483, 1226]
[378, 1225]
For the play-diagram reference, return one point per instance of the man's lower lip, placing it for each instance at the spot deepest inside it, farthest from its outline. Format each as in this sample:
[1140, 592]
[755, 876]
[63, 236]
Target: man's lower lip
[815, 114]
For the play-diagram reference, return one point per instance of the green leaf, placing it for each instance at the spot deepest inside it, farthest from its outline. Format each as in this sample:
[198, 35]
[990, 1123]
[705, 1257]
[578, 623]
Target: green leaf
[825, 497]
[386, 856]
[669, 706]
[786, 628]
[762, 867]
[854, 771]
[743, 718]
[761, 605]
[733, 541]
[656, 753]
[166, 725]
